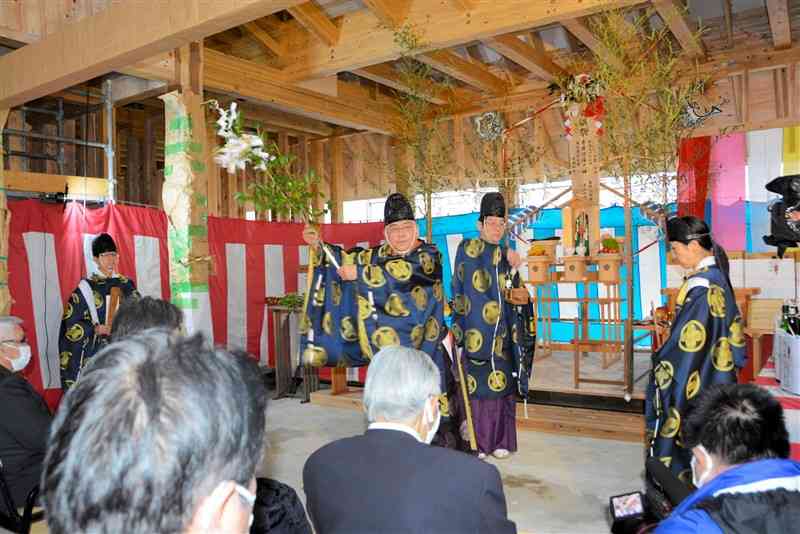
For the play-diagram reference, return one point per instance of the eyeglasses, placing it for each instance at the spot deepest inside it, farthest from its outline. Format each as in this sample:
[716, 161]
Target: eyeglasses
[107, 255]
[245, 494]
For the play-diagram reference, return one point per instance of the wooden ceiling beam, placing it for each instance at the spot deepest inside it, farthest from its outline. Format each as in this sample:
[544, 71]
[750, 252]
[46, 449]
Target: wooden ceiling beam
[362, 43]
[778, 12]
[265, 39]
[386, 75]
[532, 58]
[316, 21]
[581, 31]
[474, 74]
[464, 5]
[82, 50]
[673, 15]
[249, 80]
[392, 13]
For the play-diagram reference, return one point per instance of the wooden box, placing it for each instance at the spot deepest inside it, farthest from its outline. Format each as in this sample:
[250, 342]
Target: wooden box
[608, 268]
[575, 268]
[539, 269]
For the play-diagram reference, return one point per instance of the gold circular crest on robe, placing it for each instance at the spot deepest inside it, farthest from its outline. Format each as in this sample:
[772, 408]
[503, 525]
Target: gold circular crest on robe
[373, 276]
[722, 355]
[685, 476]
[491, 312]
[399, 269]
[682, 292]
[319, 297]
[315, 356]
[327, 323]
[458, 334]
[64, 358]
[417, 334]
[462, 304]
[426, 261]
[672, 425]
[438, 293]
[737, 333]
[75, 333]
[385, 336]
[481, 280]
[364, 256]
[432, 329]
[501, 280]
[383, 251]
[444, 405]
[693, 384]
[664, 372]
[98, 300]
[348, 329]
[477, 363]
[420, 297]
[666, 460]
[304, 325]
[497, 256]
[474, 340]
[68, 309]
[497, 381]
[75, 298]
[472, 384]
[336, 293]
[499, 341]
[474, 247]
[716, 300]
[395, 306]
[365, 309]
[693, 336]
[515, 333]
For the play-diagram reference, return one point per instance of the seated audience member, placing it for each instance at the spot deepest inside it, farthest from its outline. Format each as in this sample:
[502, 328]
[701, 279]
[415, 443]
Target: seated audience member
[135, 315]
[390, 479]
[24, 422]
[159, 436]
[745, 482]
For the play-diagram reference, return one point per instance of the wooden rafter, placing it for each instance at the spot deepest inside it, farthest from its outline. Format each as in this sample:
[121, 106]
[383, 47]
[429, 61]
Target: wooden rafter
[231, 75]
[390, 12]
[265, 39]
[464, 5]
[317, 22]
[674, 17]
[474, 74]
[142, 29]
[361, 43]
[778, 11]
[533, 58]
[580, 29]
[384, 74]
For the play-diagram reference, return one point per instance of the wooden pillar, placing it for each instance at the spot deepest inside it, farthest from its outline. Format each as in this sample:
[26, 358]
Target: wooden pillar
[5, 220]
[185, 190]
[133, 176]
[317, 164]
[152, 179]
[214, 172]
[337, 180]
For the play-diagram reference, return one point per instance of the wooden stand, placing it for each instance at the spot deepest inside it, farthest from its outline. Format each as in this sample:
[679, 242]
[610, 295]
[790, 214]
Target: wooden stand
[338, 380]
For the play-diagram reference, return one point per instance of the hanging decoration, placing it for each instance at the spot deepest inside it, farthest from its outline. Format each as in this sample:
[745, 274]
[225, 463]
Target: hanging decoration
[489, 125]
[240, 148]
[583, 101]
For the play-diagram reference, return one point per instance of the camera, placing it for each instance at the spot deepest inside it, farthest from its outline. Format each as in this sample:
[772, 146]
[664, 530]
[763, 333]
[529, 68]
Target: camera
[785, 213]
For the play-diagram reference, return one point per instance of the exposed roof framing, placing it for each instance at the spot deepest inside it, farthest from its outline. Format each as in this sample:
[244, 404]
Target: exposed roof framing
[390, 12]
[580, 29]
[674, 16]
[778, 11]
[266, 40]
[472, 73]
[317, 22]
[531, 57]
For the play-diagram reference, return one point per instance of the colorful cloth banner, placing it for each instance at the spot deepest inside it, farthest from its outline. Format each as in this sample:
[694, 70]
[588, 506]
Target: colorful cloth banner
[728, 189]
[693, 171]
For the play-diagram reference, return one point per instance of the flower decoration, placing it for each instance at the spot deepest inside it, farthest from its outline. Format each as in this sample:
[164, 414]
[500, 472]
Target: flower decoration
[240, 148]
[582, 97]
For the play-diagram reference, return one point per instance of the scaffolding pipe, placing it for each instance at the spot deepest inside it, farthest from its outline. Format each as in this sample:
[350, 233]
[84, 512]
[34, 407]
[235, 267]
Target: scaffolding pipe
[109, 146]
[55, 138]
[38, 110]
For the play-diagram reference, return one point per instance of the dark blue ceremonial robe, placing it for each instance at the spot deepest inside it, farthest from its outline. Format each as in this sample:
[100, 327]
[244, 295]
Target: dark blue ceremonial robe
[77, 341]
[496, 346]
[395, 300]
[705, 347]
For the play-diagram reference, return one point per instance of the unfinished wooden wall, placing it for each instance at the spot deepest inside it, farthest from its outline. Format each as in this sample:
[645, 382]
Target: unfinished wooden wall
[140, 154]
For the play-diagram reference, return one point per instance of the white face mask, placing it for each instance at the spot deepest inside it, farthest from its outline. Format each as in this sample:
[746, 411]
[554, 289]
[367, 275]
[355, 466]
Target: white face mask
[245, 494]
[428, 417]
[20, 362]
[701, 479]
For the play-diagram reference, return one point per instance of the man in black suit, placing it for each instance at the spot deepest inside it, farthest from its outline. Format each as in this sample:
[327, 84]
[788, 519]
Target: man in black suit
[24, 423]
[390, 479]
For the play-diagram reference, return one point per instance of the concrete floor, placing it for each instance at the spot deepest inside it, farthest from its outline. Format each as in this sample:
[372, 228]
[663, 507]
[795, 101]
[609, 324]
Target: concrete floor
[553, 485]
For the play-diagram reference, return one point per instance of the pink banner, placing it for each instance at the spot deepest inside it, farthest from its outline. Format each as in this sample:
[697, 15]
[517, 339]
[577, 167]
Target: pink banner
[728, 191]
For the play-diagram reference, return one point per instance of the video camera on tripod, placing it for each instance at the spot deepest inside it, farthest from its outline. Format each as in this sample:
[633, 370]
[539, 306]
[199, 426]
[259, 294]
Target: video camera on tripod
[785, 213]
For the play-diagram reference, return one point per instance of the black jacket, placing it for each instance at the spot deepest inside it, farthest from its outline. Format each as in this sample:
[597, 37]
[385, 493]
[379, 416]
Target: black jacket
[386, 481]
[24, 423]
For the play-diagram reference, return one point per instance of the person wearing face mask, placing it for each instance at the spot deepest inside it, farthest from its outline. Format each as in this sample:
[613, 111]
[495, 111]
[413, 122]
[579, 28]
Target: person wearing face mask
[363, 300]
[84, 326]
[487, 332]
[706, 344]
[740, 448]
[24, 422]
[389, 479]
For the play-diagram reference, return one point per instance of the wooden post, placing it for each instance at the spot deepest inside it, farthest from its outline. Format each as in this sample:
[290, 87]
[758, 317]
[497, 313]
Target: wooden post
[214, 172]
[5, 221]
[628, 333]
[337, 180]
[152, 182]
[134, 174]
[185, 191]
[317, 164]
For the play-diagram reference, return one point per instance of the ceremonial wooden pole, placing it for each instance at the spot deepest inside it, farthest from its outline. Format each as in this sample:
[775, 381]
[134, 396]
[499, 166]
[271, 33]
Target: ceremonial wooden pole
[473, 443]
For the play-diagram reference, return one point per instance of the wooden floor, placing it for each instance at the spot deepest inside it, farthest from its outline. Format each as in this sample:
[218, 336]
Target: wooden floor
[580, 422]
